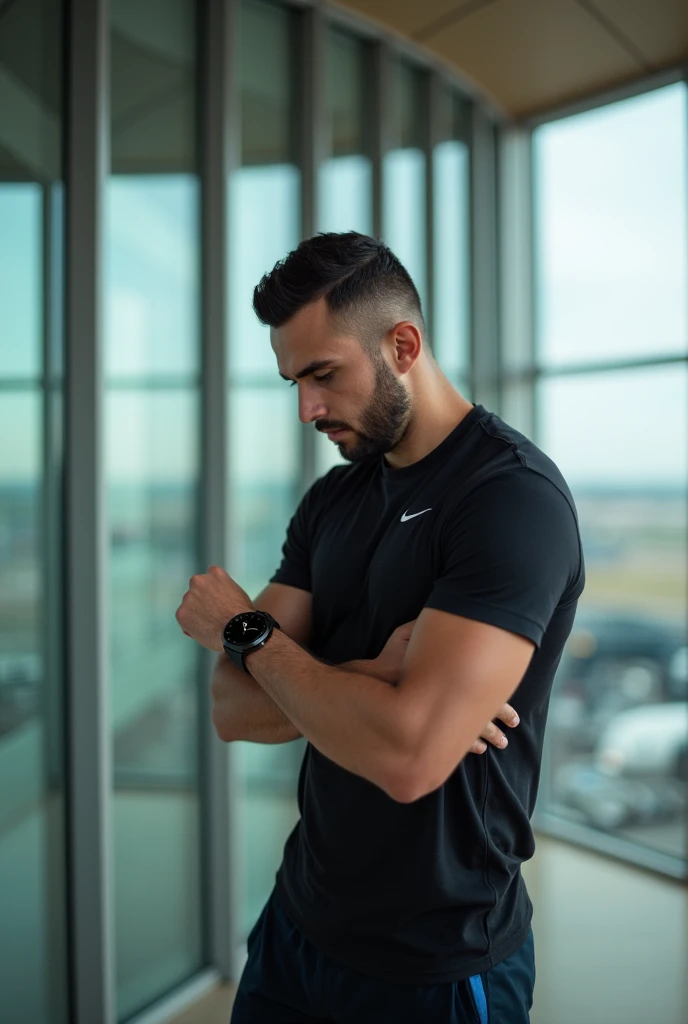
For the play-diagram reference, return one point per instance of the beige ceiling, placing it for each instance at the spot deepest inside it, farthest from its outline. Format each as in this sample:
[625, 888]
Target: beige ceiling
[532, 55]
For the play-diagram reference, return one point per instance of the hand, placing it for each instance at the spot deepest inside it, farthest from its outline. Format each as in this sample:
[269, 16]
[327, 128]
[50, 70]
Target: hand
[209, 603]
[493, 734]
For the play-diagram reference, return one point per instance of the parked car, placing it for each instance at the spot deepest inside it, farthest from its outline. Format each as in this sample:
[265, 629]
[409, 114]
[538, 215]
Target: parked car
[639, 770]
[647, 742]
[613, 662]
[611, 801]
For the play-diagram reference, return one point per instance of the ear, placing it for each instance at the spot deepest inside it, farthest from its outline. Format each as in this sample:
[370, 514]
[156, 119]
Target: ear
[407, 345]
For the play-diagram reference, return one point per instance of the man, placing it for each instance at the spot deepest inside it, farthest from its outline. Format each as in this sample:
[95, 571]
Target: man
[445, 560]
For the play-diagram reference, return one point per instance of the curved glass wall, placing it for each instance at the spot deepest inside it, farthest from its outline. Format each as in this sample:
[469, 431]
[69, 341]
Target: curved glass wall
[611, 271]
[33, 932]
[370, 176]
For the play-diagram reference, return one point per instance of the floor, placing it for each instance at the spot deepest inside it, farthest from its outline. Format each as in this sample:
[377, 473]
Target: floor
[611, 944]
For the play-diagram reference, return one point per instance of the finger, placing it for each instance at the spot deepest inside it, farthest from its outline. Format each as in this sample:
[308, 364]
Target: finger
[508, 716]
[494, 735]
[478, 747]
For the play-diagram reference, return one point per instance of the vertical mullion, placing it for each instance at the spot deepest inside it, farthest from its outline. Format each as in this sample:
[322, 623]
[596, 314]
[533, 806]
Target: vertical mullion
[312, 150]
[516, 272]
[89, 748]
[219, 148]
[52, 637]
[485, 322]
[531, 256]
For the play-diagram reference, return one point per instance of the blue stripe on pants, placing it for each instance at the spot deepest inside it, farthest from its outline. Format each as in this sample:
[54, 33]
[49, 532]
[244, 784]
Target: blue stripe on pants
[287, 980]
[476, 983]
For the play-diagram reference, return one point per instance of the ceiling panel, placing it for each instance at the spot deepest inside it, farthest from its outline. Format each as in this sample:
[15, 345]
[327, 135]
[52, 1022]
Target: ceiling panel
[659, 28]
[529, 55]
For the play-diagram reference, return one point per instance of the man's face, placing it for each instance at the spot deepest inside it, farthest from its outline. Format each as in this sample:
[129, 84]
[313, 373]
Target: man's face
[358, 401]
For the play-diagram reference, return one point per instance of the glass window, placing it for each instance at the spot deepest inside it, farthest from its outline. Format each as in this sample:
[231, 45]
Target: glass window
[33, 935]
[618, 723]
[21, 281]
[265, 191]
[264, 428]
[264, 493]
[264, 478]
[152, 355]
[404, 200]
[452, 315]
[346, 177]
[151, 330]
[611, 212]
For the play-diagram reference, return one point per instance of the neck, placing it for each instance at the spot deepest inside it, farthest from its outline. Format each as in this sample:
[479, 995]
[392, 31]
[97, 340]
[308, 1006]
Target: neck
[438, 408]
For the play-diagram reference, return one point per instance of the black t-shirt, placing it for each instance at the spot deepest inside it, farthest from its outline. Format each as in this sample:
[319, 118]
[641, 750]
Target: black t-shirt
[484, 526]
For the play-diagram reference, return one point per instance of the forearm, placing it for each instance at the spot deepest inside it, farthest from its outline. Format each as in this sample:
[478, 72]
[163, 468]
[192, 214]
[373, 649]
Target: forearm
[242, 710]
[357, 720]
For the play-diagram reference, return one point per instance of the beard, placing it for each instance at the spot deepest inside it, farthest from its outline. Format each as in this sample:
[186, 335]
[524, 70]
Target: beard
[384, 421]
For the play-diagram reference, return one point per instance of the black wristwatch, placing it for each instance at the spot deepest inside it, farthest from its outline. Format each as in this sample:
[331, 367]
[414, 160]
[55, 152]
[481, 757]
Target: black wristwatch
[246, 632]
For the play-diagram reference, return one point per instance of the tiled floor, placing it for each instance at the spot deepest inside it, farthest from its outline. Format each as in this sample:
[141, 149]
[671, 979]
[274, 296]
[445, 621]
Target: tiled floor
[611, 944]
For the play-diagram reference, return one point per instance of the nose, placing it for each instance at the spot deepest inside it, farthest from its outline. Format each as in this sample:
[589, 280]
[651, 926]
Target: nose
[311, 406]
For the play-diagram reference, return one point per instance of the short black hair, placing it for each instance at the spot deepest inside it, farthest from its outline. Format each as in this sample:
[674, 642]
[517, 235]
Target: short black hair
[363, 282]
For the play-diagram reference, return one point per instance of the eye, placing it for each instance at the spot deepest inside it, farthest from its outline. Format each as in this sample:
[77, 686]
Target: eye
[325, 376]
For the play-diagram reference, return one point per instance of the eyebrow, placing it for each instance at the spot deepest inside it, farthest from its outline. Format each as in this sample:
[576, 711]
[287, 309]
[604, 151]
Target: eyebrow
[311, 368]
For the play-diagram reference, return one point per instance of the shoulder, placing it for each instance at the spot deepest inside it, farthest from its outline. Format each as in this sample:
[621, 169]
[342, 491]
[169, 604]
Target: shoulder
[517, 519]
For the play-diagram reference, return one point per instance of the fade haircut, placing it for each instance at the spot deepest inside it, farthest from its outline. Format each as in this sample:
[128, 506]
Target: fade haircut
[366, 288]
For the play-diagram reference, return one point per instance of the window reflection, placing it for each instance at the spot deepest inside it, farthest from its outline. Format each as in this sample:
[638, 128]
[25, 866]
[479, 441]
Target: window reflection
[618, 725]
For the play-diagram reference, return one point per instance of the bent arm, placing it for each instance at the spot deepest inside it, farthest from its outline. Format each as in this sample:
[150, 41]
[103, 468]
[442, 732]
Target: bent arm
[241, 709]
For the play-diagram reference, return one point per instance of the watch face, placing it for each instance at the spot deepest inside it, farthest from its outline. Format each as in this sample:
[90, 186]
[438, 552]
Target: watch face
[245, 628]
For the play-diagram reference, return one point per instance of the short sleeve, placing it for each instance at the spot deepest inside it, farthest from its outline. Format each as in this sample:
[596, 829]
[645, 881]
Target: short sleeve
[295, 567]
[510, 554]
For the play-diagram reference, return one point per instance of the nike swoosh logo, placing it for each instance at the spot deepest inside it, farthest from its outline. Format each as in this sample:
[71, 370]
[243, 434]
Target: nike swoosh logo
[406, 516]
